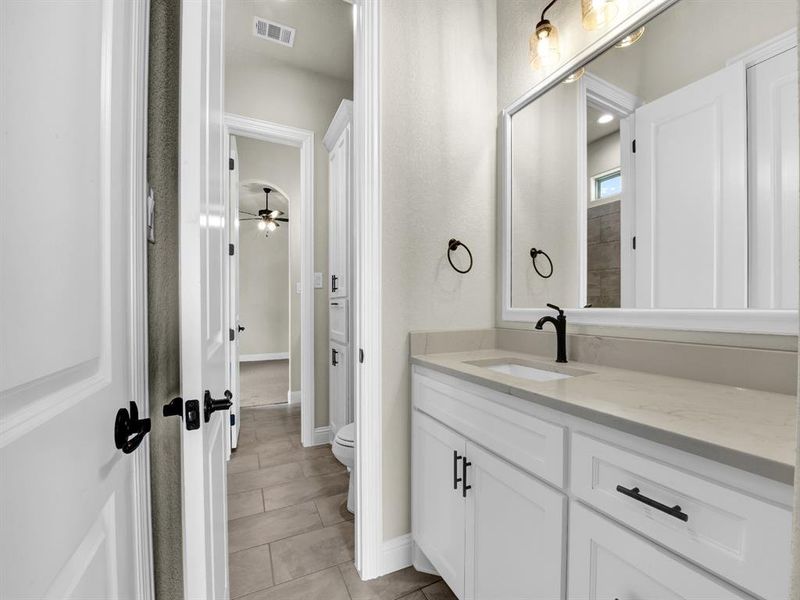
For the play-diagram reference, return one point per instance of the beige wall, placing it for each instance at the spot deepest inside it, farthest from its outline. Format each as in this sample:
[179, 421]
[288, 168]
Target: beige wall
[603, 155]
[438, 129]
[289, 96]
[268, 306]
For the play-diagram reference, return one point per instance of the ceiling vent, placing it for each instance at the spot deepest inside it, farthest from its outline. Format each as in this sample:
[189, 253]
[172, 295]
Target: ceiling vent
[274, 32]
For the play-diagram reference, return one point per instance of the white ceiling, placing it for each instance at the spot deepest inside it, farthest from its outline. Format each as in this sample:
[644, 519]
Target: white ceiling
[252, 197]
[323, 43]
[595, 130]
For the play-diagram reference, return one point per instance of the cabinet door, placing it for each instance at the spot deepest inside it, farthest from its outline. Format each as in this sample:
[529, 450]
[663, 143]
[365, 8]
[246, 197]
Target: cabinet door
[338, 387]
[607, 562]
[437, 500]
[514, 532]
[339, 216]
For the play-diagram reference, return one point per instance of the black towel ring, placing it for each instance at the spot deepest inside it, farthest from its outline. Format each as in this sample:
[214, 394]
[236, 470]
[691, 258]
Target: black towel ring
[452, 245]
[534, 254]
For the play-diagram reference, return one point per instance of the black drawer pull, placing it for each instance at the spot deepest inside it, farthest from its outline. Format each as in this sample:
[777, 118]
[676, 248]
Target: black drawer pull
[456, 478]
[672, 511]
[464, 486]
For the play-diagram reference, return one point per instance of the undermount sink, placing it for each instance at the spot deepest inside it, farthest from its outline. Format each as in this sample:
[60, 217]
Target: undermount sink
[528, 369]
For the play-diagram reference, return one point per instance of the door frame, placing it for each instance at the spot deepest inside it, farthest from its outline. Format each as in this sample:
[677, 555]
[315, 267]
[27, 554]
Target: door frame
[371, 558]
[267, 131]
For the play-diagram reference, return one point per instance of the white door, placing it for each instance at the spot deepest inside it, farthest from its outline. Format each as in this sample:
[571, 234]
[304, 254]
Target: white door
[607, 561]
[233, 288]
[203, 279]
[73, 86]
[514, 532]
[691, 195]
[774, 158]
[438, 505]
[339, 388]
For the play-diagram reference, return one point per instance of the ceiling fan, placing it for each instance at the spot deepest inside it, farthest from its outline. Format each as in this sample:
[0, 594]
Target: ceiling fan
[267, 218]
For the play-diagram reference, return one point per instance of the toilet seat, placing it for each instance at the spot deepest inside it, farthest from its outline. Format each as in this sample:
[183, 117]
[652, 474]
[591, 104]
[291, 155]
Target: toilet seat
[346, 436]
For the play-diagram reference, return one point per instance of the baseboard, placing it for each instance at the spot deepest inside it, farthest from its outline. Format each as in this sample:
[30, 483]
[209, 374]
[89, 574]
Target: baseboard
[293, 397]
[260, 357]
[396, 554]
[321, 436]
[421, 562]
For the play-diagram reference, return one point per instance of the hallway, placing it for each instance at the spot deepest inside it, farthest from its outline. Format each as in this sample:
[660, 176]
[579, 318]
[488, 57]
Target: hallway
[264, 382]
[290, 534]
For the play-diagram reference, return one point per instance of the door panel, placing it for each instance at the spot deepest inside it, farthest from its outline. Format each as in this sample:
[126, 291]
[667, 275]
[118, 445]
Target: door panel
[437, 502]
[607, 561]
[68, 500]
[203, 291]
[773, 123]
[339, 211]
[514, 532]
[691, 196]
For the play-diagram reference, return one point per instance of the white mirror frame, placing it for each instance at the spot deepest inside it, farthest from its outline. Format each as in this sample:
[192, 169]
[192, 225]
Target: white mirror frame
[777, 322]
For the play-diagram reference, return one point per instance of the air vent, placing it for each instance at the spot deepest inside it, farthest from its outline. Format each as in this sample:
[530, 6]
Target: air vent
[274, 32]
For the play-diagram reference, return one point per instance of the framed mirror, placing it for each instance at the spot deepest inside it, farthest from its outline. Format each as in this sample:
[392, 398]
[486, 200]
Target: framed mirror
[653, 181]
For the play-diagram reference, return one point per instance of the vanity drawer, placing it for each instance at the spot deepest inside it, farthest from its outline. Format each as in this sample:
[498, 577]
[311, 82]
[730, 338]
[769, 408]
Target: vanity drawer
[522, 439]
[338, 321]
[729, 532]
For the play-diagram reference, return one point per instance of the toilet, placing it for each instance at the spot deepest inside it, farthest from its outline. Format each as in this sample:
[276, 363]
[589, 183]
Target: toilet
[344, 450]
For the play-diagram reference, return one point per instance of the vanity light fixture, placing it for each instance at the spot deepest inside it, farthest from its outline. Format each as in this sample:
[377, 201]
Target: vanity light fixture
[631, 38]
[575, 76]
[606, 118]
[543, 45]
[598, 13]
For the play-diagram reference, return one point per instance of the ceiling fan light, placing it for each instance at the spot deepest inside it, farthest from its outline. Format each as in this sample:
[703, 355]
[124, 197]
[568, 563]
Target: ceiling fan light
[271, 226]
[262, 225]
[274, 214]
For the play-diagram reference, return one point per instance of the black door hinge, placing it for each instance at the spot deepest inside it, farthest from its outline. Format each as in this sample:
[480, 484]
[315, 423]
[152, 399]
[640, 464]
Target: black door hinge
[633, 146]
[361, 355]
[231, 249]
[233, 419]
[231, 334]
[634, 242]
[230, 164]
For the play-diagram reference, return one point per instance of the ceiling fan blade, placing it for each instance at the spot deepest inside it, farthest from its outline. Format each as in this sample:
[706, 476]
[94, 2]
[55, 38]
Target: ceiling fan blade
[256, 219]
[244, 212]
[280, 219]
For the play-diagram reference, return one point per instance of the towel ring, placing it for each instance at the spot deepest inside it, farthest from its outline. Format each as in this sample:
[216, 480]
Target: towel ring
[534, 254]
[452, 245]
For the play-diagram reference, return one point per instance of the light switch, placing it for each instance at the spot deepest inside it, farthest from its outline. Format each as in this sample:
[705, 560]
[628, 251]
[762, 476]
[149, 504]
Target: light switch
[318, 280]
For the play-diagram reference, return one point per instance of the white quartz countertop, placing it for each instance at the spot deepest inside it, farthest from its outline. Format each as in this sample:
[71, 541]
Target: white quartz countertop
[747, 429]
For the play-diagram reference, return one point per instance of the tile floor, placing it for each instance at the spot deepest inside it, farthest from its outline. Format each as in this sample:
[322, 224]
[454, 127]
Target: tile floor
[264, 382]
[290, 535]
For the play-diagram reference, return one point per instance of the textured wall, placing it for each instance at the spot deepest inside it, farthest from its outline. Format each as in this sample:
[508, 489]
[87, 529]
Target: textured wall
[290, 96]
[438, 127]
[162, 296]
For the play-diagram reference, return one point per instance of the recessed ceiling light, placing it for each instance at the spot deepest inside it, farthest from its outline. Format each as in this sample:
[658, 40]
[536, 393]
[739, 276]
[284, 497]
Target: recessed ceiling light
[606, 118]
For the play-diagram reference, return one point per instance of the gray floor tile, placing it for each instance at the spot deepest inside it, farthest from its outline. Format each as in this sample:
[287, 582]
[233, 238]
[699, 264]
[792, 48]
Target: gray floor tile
[262, 478]
[303, 490]
[304, 554]
[324, 465]
[438, 591]
[263, 528]
[324, 585]
[250, 571]
[279, 444]
[244, 504]
[333, 509]
[388, 587]
[242, 462]
[418, 595]
[270, 459]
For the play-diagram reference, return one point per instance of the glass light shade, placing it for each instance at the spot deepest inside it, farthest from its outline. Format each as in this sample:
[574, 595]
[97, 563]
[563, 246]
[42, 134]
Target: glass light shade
[271, 226]
[262, 225]
[575, 76]
[631, 38]
[544, 51]
[598, 13]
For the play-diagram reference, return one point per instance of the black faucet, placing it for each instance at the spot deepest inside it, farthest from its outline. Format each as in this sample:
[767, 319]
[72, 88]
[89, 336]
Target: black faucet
[560, 323]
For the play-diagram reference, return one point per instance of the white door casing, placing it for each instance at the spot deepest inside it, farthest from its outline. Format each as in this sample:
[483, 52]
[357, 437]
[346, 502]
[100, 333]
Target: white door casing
[773, 182]
[233, 288]
[691, 196]
[74, 510]
[203, 285]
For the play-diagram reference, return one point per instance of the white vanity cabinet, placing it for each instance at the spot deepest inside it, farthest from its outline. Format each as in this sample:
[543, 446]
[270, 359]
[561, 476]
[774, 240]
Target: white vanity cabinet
[491, 529]
[509, 496]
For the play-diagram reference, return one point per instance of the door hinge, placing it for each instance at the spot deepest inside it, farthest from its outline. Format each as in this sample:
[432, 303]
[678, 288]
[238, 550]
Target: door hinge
[230, 164]
[231, 249]
[633, 146]
[231, 334]
[634, 242]
[233, 419]
[361, 355]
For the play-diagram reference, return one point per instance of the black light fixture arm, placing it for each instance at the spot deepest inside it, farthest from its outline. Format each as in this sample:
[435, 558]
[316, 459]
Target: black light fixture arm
[546, 8]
